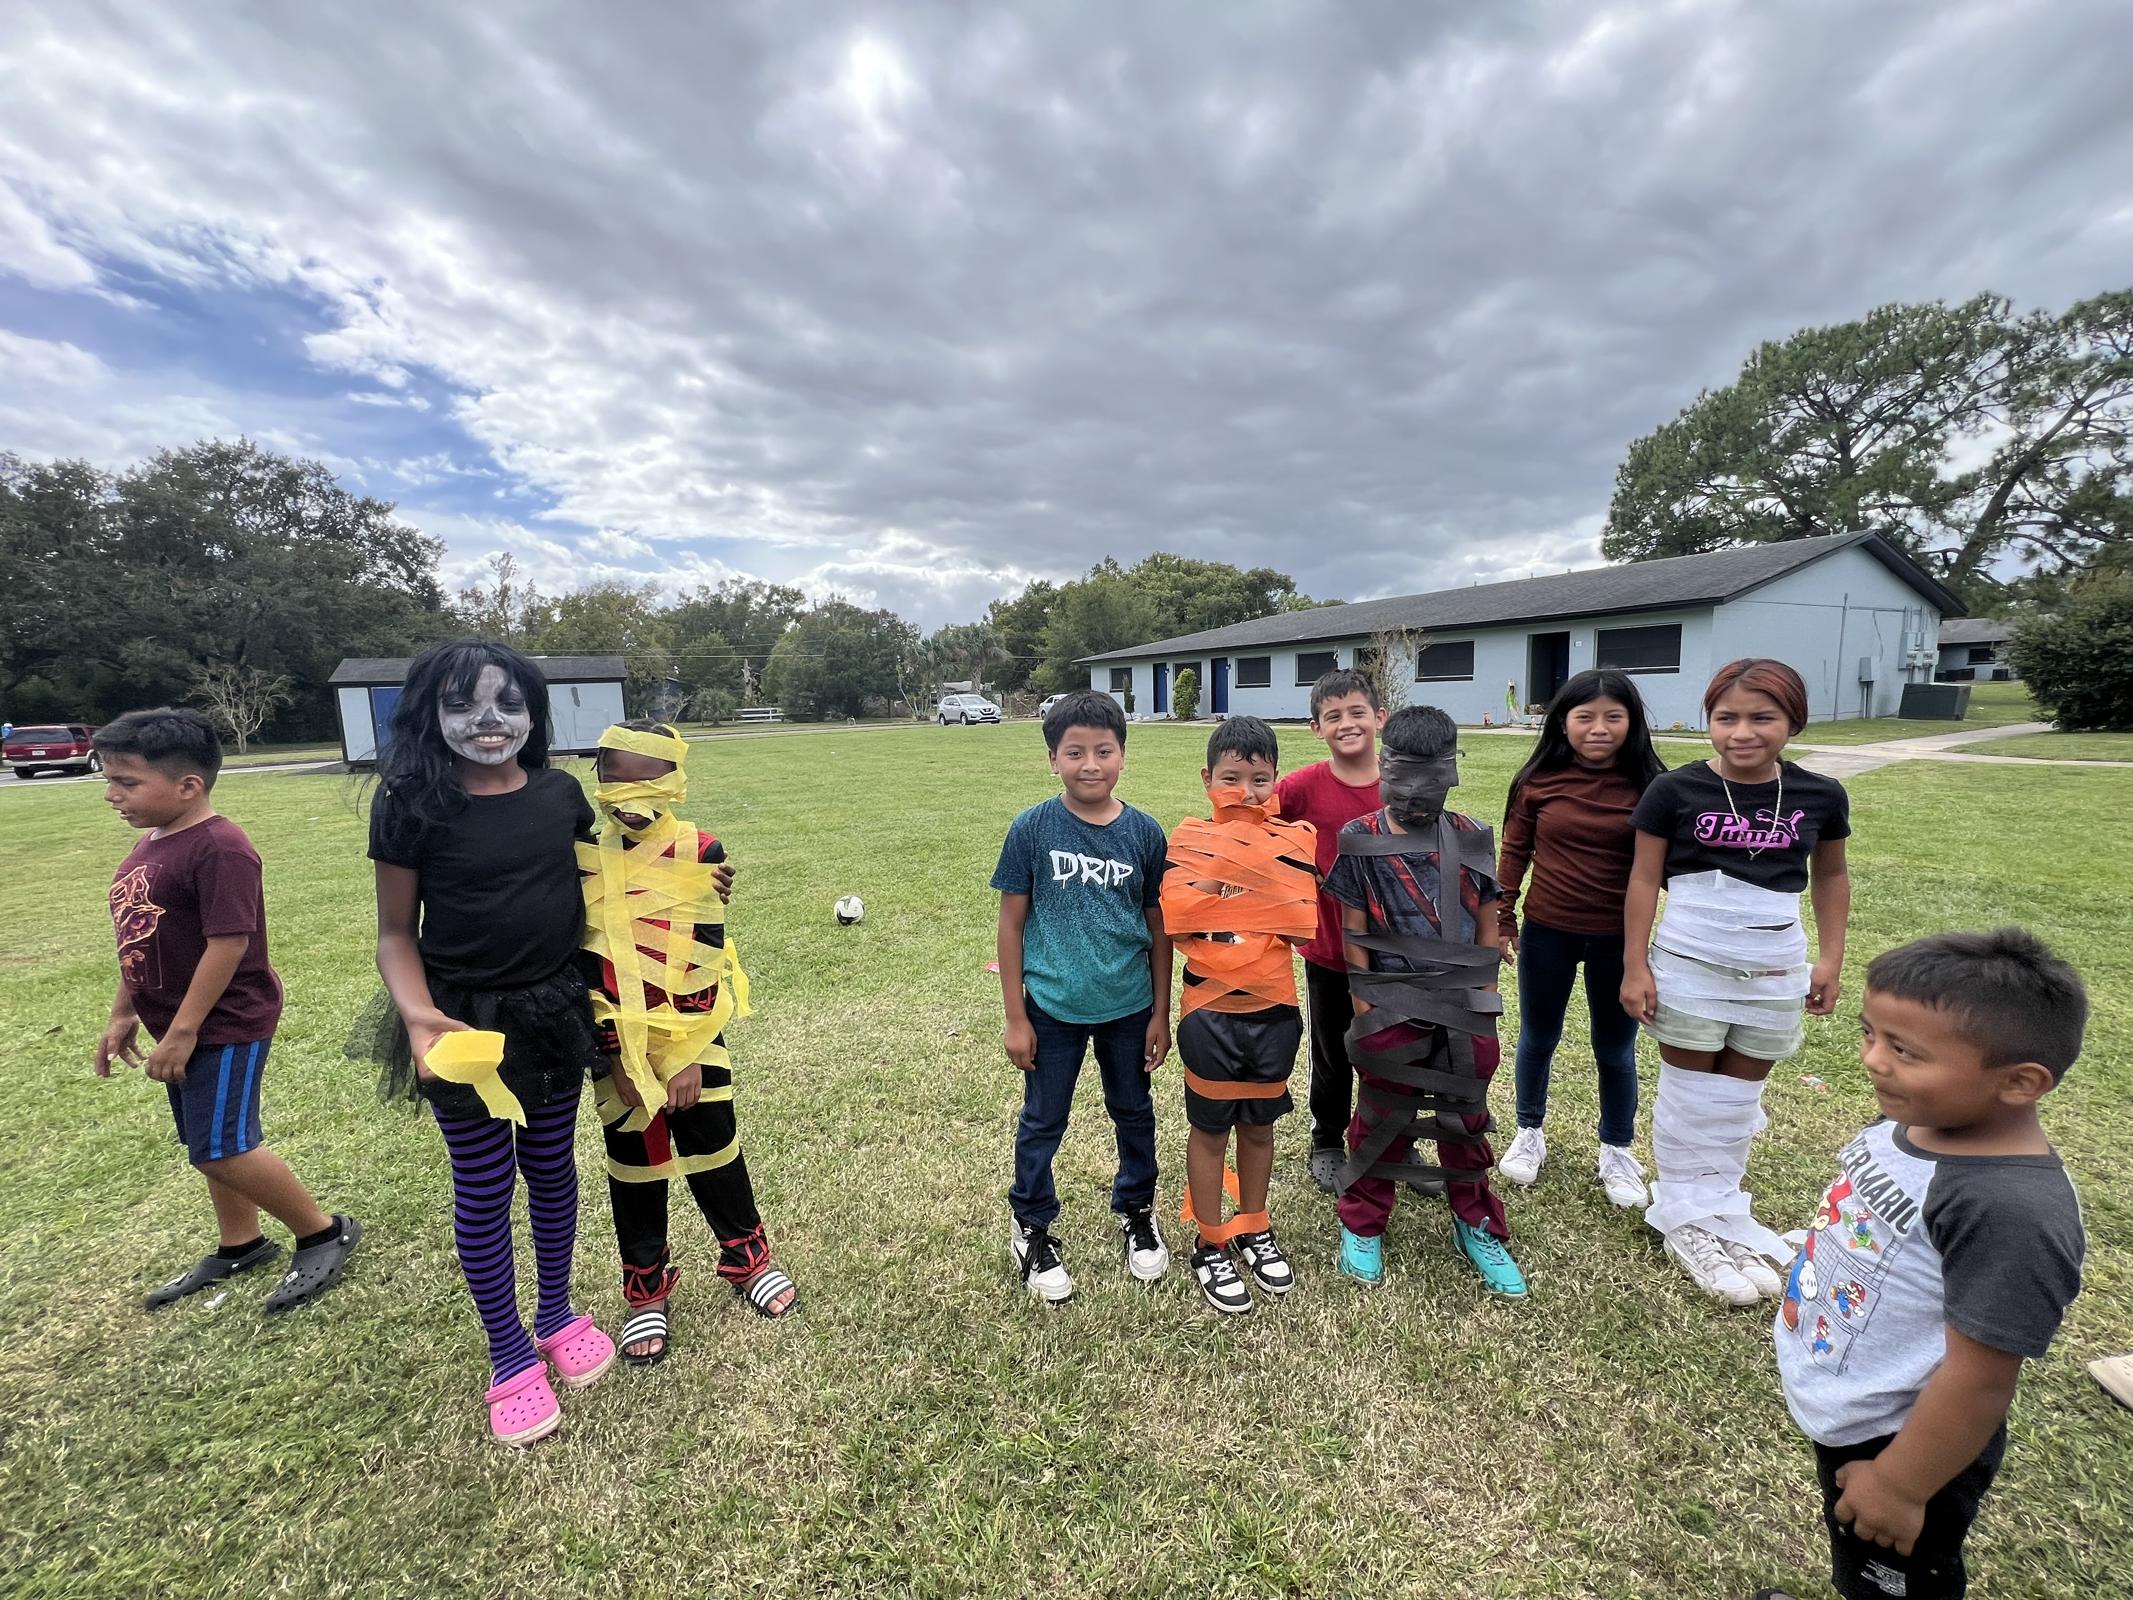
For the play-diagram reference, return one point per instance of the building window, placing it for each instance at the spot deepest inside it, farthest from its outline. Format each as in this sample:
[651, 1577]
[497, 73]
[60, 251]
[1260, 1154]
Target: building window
[1445, 663]
[1255, 672]
[1981, 654]
[1653, 649]
[1121, 680]
[1311, 665]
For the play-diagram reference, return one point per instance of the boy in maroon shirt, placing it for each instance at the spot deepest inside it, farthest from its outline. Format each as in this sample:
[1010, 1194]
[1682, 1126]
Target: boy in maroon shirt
[192, 947]
[1329, 795]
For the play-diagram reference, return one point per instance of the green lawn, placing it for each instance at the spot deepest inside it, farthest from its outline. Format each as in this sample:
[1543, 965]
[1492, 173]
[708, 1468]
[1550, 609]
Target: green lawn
[923, 1428]
[262, 755]
[2106, 746]
[1992, 705]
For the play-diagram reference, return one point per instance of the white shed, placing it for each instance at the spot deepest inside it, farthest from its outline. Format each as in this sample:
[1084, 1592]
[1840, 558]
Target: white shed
[584, 697]
[1855, 616]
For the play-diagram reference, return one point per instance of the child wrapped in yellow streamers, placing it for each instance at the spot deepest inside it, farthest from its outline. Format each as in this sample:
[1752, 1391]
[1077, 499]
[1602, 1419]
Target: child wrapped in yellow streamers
[665, 981]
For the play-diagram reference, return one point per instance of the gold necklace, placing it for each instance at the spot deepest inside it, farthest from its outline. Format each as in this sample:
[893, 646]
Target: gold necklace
[1777, 810]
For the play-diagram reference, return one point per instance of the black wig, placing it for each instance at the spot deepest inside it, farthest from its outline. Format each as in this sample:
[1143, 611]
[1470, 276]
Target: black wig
[416, 767]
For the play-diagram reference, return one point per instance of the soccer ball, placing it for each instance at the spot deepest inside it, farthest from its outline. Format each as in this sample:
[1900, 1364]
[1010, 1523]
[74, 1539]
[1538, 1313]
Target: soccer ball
[849, 910]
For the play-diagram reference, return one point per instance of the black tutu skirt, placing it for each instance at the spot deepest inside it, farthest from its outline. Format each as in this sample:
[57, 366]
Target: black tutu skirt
[550, 1046]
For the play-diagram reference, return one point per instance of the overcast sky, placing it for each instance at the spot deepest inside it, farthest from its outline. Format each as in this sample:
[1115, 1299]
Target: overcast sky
[918, 302]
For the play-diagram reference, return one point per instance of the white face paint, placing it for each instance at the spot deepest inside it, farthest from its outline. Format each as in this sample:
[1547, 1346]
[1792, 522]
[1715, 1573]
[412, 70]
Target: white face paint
[490, 724]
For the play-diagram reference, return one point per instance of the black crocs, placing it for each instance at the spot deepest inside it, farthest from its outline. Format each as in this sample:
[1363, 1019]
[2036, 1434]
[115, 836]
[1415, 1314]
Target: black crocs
[208, 1271]
[312, 1272]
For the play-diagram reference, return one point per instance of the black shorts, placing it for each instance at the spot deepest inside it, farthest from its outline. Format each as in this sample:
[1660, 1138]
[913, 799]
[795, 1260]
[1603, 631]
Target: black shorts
[1863, 1570]
[1243, 1047]
[216, 1108]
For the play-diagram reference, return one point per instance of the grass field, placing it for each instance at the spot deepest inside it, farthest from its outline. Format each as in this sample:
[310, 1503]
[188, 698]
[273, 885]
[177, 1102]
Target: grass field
[2106, 746]
[923, 1427]
[1992, 705]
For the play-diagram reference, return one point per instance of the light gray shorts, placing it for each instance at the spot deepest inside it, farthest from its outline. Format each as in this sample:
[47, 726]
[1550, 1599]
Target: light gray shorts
[1785, 1034]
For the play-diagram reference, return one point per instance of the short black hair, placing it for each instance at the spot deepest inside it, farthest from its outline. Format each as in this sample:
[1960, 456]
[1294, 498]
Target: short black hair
[174, 740]
[1246, 738]
[1084, 708]
[1339, 684]
[2015, 999]
[1420, 731]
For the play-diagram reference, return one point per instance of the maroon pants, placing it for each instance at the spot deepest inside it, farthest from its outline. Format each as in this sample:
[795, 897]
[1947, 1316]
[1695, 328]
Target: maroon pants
[1367, 1206]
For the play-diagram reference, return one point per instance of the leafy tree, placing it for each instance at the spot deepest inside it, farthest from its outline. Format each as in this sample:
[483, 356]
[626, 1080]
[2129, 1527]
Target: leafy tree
[834, 657]
[220, 553]
[1103, 611]
[1860, 425]
[622, 619]
[746, 616]
[1019, 626]
[1389, 658]
[2078, 665]
[966, 651]
[1185, 696]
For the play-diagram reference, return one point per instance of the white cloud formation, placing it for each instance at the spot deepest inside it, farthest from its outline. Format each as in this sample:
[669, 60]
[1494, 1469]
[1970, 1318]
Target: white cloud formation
[918, 303]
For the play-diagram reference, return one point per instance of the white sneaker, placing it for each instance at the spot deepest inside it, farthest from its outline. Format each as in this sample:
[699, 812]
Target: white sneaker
[1751, 1265]
[1147, 1257]
[1704, 1259]
[1036, 1255]
[1522, 1162]
[1622, 1176]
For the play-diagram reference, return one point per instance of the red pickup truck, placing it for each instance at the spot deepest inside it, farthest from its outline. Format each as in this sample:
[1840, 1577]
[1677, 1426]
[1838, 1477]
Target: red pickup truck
[54, 747]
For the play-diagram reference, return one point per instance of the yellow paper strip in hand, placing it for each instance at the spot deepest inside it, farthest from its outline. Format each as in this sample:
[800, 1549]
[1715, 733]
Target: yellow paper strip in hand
[471, 1056]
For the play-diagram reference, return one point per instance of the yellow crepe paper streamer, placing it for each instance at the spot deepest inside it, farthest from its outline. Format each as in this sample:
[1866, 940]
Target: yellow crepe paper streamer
[627, 890]
[471, 1056]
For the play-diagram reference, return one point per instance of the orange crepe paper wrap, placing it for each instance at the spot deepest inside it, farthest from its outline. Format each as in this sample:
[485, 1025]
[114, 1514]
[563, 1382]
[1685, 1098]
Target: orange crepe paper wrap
[1223, 1232]
[1266, 895]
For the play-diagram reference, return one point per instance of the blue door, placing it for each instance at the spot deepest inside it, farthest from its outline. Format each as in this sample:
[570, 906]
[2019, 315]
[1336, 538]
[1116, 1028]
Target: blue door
[382, 701]
[1162, 689]
[1220, 704]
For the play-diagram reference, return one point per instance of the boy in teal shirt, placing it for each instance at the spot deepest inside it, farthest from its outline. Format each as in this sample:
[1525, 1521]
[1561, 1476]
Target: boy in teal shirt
[1084, 960]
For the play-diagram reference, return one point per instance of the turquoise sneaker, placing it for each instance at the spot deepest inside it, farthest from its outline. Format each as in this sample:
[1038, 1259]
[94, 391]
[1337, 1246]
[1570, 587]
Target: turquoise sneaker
[1490, 1258]
[1362, 1259]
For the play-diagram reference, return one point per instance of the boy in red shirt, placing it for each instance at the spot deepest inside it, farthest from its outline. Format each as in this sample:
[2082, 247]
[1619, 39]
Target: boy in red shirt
[1329, 795]
[192, 946]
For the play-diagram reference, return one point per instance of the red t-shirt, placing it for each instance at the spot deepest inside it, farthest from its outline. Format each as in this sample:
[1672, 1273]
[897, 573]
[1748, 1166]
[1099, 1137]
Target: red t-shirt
[1313, 794]
[172, 895]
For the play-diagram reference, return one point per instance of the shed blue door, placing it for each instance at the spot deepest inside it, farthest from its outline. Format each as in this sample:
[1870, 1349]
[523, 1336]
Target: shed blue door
[1162, 689]
[382, 700]
[1220, 703]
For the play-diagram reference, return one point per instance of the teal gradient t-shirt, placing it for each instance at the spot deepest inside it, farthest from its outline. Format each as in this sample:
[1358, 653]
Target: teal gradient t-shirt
[1085, 946]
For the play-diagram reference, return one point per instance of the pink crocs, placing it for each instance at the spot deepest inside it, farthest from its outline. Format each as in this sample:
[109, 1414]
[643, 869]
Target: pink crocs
[580, 1351]
[523, 1407]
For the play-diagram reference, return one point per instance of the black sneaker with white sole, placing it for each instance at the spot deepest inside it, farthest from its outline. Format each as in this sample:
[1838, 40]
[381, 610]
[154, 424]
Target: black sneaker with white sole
[1218, 1280]
[1263, 1259]
[1036, 1255]
[1147, 1257]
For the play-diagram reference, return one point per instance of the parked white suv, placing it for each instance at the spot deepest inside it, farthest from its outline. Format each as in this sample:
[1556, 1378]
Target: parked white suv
[966, 709]
[1050, 701]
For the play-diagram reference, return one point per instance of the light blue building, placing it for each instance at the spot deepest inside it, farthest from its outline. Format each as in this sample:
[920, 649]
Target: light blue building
[1855, 616]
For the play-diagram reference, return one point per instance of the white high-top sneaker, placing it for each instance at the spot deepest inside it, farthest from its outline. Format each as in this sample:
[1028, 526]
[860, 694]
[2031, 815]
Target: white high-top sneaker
[1036, 1255]
[1703, 1257]
[1754, 1268]
[1522, 1162]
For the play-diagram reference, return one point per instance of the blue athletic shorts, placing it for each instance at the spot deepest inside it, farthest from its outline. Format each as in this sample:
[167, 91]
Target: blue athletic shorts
[217, 1106]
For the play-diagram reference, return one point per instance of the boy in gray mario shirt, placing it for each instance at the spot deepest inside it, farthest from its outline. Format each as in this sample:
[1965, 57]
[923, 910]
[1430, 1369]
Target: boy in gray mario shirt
[1944, 1254]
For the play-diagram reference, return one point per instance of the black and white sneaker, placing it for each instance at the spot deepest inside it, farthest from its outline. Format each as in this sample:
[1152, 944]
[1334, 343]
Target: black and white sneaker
[1263, 1259]
[1036, 1255]
[1218, 1280]
[1147, 1257]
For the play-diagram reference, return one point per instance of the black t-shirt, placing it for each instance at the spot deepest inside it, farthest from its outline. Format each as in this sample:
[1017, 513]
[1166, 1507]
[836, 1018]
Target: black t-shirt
[1781, 822]
[499, 885]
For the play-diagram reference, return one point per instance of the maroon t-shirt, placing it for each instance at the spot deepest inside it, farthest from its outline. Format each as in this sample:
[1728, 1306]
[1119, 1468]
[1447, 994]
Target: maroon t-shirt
[168, 898]
[1313, 794]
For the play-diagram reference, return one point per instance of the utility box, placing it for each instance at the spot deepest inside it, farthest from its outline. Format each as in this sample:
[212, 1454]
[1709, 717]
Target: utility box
[1866, 669]
[1935, 702]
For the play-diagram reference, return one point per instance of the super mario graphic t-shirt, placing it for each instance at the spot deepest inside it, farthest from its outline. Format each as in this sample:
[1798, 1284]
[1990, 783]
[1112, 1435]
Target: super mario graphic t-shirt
[1085, 946]
[1906, 1244]
[168, 898]
[1759, 833]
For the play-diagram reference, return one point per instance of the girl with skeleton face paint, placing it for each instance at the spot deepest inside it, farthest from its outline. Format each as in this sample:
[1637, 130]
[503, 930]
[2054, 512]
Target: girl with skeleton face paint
[480, 917]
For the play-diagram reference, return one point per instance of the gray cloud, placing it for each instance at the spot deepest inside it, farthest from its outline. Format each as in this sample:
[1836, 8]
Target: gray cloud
[919, 302]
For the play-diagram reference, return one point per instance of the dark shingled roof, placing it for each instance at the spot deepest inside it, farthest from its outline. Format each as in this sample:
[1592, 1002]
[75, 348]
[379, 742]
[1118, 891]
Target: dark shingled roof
[556, 669]
[1975, 630]
[1677, 581]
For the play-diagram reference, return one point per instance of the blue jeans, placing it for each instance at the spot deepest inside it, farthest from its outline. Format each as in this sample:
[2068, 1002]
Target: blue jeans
[1048, 1095]
[1548, 961]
